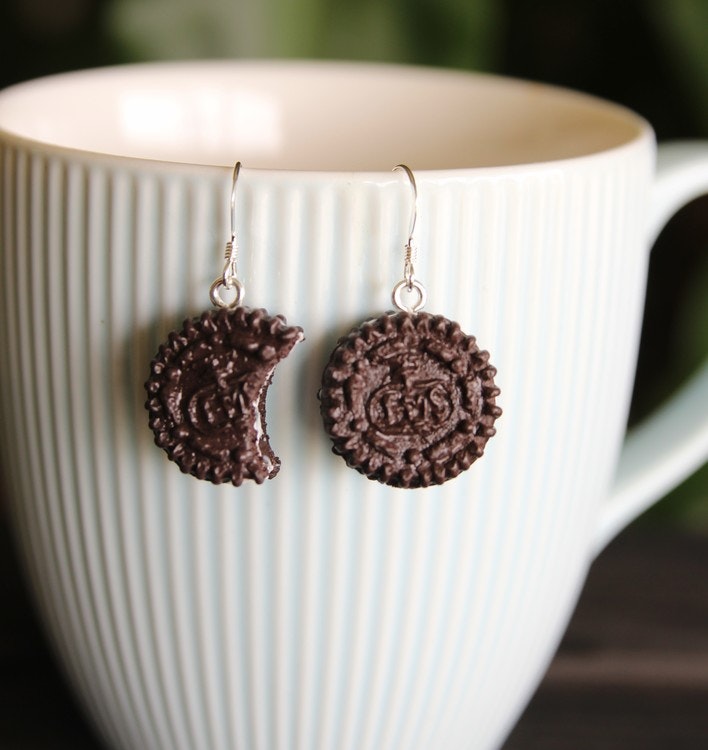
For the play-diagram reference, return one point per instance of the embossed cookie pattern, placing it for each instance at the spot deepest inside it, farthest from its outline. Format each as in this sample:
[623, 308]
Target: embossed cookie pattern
[207, 393]
[408, 399]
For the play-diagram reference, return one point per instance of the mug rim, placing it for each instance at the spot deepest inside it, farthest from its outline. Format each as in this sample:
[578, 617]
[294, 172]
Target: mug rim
[640, 131]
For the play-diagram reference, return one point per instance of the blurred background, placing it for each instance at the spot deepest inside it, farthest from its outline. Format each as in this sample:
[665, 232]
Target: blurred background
[650, 55]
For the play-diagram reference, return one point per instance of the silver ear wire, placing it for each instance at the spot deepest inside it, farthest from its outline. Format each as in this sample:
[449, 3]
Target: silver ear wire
[409, 282]
[414, 212]
[229, 276]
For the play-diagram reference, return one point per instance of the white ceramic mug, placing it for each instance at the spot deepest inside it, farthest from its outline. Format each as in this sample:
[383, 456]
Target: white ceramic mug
[321, 609]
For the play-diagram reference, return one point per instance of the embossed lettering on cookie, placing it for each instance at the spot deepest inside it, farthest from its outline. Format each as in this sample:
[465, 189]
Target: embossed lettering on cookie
[409, 399]
[207, 393]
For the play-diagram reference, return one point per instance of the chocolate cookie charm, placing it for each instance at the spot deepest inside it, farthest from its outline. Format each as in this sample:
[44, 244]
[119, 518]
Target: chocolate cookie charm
[207, 393]
[408, 399]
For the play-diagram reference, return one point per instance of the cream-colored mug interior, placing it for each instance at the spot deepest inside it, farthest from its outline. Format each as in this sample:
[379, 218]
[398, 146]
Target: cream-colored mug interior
[313, 116]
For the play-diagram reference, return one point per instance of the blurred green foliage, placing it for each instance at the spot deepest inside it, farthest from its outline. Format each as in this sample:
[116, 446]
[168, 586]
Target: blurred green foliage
[684, 24]
[651, 55]
[440, 32]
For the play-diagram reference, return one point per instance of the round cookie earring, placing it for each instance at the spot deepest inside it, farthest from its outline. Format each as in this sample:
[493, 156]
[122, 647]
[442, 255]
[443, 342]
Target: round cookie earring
[407, 398]
[206, 394]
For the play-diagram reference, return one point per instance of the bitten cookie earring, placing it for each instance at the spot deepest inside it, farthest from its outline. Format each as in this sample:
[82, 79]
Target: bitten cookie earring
[407, 398]
[208, 382]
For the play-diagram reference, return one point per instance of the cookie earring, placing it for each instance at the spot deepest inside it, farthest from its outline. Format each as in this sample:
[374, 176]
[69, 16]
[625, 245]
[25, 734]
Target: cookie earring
[407, 398]
[206, 394]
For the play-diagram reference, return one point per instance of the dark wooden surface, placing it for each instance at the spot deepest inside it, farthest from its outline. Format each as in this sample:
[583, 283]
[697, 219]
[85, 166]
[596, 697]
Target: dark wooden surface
[632, 672]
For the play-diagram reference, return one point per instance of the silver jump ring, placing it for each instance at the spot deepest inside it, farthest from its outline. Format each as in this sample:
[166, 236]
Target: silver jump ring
[230, 283]
[409, 285]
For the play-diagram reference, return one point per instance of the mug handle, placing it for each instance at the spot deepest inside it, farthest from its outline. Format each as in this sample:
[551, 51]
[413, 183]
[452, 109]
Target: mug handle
[673, 441]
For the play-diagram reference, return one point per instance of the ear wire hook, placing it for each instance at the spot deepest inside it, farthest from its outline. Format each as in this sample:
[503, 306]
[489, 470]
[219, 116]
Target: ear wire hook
[229, 276]
[409, 282]
[234, 180]
[414, 212]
